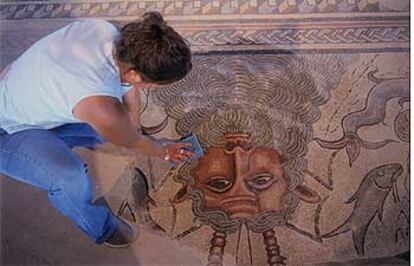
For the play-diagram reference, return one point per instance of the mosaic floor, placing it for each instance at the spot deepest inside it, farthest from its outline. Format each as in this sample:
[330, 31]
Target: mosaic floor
[302, 106]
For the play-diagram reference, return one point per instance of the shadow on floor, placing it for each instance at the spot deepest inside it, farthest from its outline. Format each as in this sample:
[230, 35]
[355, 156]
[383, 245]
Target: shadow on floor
[34, 233]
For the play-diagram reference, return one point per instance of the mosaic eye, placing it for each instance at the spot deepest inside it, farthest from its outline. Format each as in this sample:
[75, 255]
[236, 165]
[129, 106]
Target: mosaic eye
[218, 184]
[261, 181]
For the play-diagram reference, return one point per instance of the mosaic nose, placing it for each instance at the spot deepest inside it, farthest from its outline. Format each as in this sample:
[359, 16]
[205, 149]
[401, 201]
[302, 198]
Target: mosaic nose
[241, 201]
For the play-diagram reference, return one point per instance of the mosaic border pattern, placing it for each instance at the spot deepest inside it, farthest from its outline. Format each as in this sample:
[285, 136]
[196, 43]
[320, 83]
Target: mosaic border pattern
[106, 8]
[309, 36]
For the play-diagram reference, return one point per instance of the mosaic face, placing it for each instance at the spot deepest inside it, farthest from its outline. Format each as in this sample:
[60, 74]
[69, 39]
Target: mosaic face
[241, 180]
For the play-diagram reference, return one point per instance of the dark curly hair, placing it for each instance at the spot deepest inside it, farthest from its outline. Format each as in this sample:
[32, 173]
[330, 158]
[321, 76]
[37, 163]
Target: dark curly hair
[157, 52]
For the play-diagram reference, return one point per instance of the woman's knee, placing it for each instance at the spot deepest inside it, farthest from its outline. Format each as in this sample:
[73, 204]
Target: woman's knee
[73, 180]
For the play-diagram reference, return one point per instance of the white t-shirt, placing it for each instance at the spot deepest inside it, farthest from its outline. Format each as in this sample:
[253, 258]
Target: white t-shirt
[52, 76]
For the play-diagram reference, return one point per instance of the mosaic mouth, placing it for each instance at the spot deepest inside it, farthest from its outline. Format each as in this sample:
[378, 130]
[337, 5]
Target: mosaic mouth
[240, 199]
[241, 207]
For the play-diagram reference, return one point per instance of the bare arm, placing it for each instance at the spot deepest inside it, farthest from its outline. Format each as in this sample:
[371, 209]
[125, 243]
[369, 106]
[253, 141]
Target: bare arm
[110, 119]
[132, 102]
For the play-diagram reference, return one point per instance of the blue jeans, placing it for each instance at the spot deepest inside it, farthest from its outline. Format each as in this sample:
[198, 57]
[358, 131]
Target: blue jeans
[44, 159]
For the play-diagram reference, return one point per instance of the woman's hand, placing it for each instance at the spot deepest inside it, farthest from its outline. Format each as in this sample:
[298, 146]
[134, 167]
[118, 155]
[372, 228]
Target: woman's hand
[177, 152]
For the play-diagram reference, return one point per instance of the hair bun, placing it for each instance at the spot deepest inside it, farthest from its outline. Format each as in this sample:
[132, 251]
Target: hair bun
[155, 22]
[153, 18]
[157, 31]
